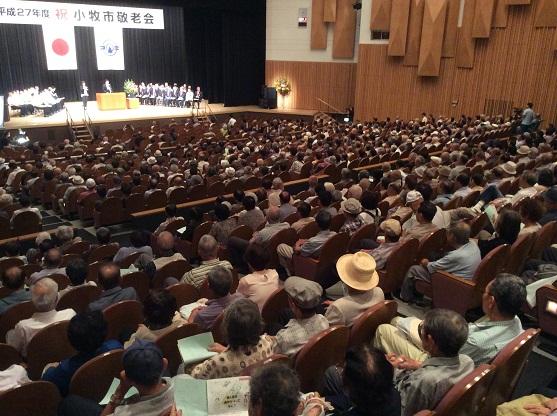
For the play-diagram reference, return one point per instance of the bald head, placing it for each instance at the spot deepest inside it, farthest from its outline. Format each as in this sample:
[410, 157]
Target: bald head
[460, 233]
[273, 215]
[109, 276]
[53, 258]
[165, 240]
[13, 278]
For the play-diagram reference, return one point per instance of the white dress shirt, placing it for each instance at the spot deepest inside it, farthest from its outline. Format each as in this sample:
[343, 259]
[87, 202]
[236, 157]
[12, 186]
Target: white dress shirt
[26, 329]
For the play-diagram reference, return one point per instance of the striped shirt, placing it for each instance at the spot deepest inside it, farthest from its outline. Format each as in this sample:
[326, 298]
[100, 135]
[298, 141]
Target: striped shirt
[196, 277]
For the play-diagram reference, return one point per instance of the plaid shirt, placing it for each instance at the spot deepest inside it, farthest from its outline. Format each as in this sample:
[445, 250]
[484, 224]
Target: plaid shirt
[351, 225]
[297, 332]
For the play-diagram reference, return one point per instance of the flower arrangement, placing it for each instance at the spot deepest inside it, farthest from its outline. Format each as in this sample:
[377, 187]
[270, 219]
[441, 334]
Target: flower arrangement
[130, 88]
[283, 86]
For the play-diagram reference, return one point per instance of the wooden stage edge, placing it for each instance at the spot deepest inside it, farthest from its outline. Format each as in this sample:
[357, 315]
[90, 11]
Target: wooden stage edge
[147, 112]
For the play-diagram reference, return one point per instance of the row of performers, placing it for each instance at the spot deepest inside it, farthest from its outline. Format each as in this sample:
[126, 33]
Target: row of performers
[30, 100]
[170, 96]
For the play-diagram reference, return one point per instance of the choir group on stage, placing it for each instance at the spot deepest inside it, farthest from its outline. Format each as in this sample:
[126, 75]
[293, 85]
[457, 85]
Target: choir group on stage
[170, 96]
[32, 100]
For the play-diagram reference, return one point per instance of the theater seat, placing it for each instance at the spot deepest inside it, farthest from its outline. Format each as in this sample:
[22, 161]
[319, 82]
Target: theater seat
[8, 356]
[363, 329]
[458, 294]
[183, 293]
[277, 359]
[366, 231]
[189, 249]
[175, 268]
[509, 364]
[13, 315]
[111, 211]
[320, 352]
[168, 343]
[287, 236]
[49, 345]
[103, 253]
[123, 317]
[139, 281]
[432, 246]
[218, 331]
[78, 298]
[38, 398]
[273, 306]
[544, 238]
[519, 254]
[398, 263]
[93, 378]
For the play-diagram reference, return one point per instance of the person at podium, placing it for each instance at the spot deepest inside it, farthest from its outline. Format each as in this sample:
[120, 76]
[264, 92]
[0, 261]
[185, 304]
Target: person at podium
[197, 97]
[84, 91]
[107, 88]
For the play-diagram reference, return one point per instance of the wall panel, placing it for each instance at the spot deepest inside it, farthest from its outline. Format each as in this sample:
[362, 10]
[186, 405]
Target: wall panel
[431, 44]
[466, 42]
[332, 82]
[344, 33]
[501, 14]
[451, 26]
[483, 18]
[400, 14]
[380, 15]
[515, 65]
[330, 10]
[414, 33]
[546, 13]
[318, 26]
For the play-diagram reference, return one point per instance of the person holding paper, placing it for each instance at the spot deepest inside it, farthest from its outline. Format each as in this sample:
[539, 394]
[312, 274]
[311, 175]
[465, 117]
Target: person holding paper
[502, 300]
[243, 326]
[144, 365]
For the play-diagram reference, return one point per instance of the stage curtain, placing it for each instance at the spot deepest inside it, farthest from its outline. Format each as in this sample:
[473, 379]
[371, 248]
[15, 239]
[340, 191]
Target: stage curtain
[150, 55]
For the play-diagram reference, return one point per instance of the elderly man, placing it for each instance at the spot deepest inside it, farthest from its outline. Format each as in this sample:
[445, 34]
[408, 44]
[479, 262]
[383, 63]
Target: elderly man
[77, 183]
[220, 282]
[502, 300]
[286, 208]
[238, 246]
[274, 390]
[462, 261]
[65, 236]
[110, 281]
[304, 296]
[25, 203]
[307, 248]
[14, 279]
[422, 385]
[91, 185]
[165, 241]
[424, 225]
[359, 280]
[52, 265]
[413, 201]
[208, 251]
[351, 209]
[44, 295]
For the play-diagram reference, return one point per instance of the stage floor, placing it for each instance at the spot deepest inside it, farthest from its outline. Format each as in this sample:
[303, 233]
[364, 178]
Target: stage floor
[142, 113]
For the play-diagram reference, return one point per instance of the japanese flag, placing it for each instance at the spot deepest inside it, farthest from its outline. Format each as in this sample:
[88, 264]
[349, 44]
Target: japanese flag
[59, 46]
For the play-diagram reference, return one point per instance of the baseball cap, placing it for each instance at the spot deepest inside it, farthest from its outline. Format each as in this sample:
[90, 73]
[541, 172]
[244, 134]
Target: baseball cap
[143, 362]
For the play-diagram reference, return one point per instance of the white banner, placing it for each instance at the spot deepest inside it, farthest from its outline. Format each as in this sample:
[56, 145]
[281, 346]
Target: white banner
[109, 46]
[59, 46]
[71, 14]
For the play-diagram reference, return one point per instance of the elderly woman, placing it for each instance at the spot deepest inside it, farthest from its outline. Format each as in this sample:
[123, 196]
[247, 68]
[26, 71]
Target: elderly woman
[246, 346]
[159, 308]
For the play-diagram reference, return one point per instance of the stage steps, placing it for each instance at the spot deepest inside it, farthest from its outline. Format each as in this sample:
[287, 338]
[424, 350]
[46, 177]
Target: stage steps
[81, 132]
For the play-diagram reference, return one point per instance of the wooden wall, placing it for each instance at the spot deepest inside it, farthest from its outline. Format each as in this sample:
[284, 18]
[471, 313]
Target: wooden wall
[334, 83]
[515, 65]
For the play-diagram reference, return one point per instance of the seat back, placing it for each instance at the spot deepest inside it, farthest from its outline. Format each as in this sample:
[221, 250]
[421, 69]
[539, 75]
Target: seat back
[103, 369]
[78, 298]
[110, 212]
[87, 207]
[218, 331]
[139, 281]
[129, 260]
[286, 236]
[103, 253]
[277, 302]
[123, 316]
[277, 359]
[61, 280]
[175, 225]
[9, 263]
[363, 329]
[509, 363]
[242, 231]
[309, 230]
[337, 221]
[252, 183]
[431, 246]
[156, 199]
[292, 218]
[168, 343]
[467, 397]
[367, 231]
[175, 268]
[13, 315]
[478, 224]
[216, 189]
[320, 352]
[397, 265]
[547, 318]
[49, 345]
[519, 253]
[544, 239]
[8, 356]
[78, 247]
[135, 203]
[26, 222]
[470, 199]
[178, 195]
[184, 293]
[488, 268]
[38, 398]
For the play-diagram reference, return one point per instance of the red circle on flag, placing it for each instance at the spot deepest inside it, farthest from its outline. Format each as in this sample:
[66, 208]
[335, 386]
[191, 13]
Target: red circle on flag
[60, 47]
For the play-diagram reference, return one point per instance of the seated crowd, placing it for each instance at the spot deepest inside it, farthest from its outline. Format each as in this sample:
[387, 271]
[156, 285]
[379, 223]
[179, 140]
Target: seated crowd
[274, 270]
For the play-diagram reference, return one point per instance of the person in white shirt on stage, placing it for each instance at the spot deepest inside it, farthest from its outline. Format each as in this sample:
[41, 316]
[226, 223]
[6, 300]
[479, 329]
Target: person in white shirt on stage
[107, 88]
[189, 97]
[84, 91]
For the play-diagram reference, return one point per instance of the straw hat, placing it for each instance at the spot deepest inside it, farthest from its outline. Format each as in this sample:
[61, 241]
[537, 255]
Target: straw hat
[523, 150]
[509, 168]
[358, 271]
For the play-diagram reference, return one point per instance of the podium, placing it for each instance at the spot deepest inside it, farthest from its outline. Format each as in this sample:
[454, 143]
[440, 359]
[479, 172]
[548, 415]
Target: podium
[111, 101]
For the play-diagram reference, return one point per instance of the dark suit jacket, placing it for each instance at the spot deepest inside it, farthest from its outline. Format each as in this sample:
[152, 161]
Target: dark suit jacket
[112, 296]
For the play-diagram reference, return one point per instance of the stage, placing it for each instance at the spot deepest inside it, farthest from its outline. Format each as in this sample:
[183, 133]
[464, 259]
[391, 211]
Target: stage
[144, 112]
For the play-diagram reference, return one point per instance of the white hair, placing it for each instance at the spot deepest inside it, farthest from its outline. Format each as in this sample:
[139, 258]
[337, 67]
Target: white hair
[207, 246]
[44, 294]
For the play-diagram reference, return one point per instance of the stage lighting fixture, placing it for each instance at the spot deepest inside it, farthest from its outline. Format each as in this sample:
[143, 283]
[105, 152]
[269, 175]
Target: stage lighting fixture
[20, 139]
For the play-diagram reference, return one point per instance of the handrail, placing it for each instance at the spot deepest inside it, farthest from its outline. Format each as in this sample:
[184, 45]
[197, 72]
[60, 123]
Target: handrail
[88, 122]
[69, 123]
[331, 106]
[210, 110]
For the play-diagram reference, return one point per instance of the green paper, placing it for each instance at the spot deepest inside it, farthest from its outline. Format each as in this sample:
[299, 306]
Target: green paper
[194, 349]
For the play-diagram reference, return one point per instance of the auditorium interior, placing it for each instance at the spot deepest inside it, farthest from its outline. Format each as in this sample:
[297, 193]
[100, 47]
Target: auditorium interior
[278, 207]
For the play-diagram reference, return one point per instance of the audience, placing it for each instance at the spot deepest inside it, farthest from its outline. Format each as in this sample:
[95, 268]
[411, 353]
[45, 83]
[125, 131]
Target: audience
[14, 280]
[165, 243]
[274, 391]
[140, 243]
[77, 271]
[224, 225]
[208, 252]
[44, 295]
[171, 216]
[304, 211]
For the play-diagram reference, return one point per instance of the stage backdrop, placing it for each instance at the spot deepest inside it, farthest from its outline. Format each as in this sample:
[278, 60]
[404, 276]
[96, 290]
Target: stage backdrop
[219, 45]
